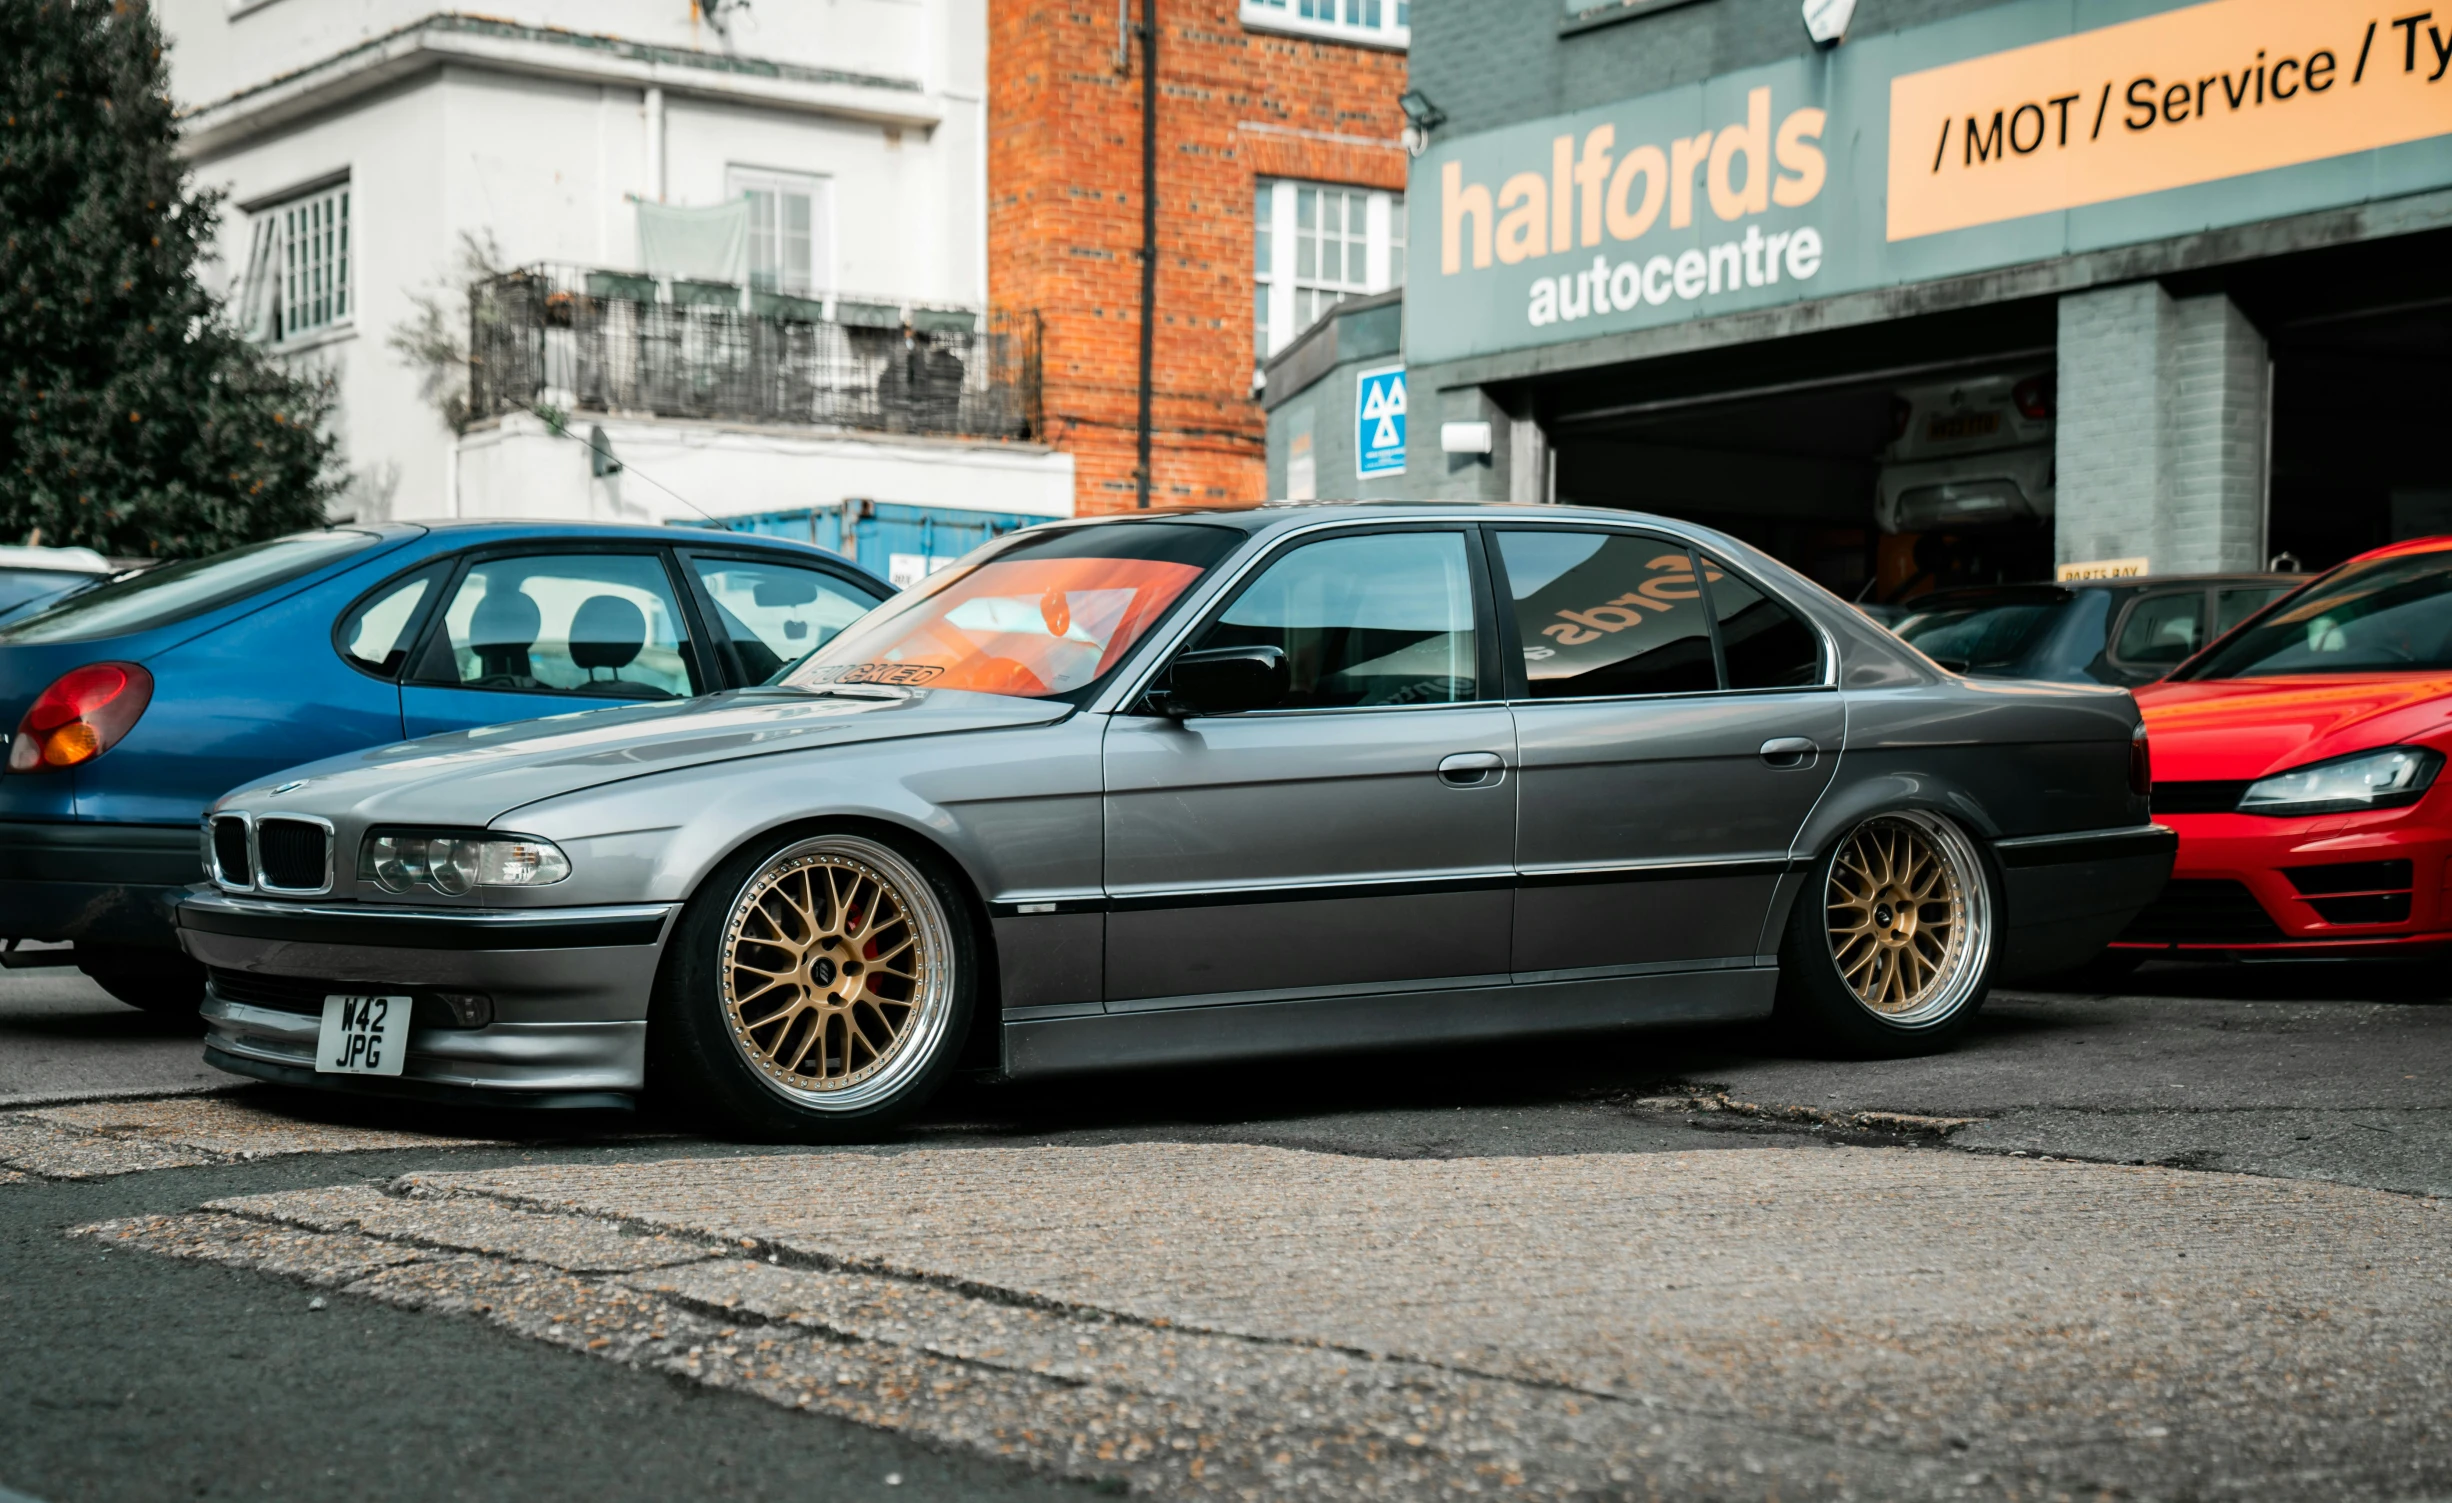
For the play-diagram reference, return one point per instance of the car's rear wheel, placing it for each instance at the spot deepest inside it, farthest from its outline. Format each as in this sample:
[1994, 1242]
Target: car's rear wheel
[819, 989]
[159, 981]
[1889, 950]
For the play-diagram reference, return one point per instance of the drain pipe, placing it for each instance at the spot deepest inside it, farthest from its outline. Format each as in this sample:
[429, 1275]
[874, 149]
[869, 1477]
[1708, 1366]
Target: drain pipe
[655, 144]
[1149, 232]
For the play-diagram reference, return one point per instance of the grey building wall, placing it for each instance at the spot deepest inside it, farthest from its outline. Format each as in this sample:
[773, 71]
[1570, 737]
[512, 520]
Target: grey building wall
[1312, 392]
[2161, 438]
[1489, 63]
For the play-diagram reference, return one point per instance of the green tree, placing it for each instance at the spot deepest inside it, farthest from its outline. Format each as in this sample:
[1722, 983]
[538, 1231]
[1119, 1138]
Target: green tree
[134, 418]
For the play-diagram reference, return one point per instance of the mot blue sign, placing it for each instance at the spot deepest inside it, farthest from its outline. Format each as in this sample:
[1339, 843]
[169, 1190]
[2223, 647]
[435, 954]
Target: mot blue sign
[1379, 422]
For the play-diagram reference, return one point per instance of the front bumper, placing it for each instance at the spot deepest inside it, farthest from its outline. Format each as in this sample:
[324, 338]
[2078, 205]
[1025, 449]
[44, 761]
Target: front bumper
[2328, 885]
[569, 987]
[98, 884]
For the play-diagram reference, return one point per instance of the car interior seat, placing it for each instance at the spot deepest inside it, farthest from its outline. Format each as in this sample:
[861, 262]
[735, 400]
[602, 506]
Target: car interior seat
[608, 633]
[501, 631]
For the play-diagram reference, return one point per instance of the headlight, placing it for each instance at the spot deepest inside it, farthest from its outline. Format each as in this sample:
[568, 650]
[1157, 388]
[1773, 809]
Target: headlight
[397, 860]
[2371, 780]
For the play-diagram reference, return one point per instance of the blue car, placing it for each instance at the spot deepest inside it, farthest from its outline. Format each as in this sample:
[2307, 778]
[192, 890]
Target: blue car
[139, 702]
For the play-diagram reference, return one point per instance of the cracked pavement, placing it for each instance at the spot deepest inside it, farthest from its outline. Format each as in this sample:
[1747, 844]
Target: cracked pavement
[2184, 1242]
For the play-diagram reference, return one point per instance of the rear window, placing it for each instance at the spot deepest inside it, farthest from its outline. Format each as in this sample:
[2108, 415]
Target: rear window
[25, 586]
[174, 592]
[1980, 636]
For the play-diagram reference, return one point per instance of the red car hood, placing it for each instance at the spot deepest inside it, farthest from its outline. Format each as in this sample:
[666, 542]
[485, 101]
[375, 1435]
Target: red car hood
[2226, 729]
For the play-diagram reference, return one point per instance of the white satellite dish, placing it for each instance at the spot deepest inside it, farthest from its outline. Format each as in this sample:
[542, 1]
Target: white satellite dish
[1826, 21]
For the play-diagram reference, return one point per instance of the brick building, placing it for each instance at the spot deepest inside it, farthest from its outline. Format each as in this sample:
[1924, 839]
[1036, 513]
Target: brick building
[1280, 178]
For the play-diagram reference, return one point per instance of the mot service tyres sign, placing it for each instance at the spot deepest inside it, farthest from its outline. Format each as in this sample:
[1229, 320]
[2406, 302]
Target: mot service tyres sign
[2023, 132]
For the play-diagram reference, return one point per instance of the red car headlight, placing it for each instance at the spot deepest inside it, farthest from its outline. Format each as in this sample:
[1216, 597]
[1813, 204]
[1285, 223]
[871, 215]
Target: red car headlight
[2382, 779]
[83, 714]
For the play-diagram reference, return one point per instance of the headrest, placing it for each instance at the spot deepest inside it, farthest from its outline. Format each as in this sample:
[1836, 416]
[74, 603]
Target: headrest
[505, 617]
[607, 632]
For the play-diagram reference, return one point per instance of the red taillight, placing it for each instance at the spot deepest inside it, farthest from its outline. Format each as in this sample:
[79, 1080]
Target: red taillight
[1902, 414]
[2035, 396]
[82, 715]
[2140, 765]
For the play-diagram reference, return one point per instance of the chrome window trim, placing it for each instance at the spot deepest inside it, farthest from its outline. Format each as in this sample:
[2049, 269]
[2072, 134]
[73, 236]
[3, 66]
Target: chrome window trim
[221, 878]
[255, 857]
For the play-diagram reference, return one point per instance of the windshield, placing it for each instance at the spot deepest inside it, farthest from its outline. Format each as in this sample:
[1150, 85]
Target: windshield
[160, 596]
[2390, 616]
[1044, 617]
[1978, 636]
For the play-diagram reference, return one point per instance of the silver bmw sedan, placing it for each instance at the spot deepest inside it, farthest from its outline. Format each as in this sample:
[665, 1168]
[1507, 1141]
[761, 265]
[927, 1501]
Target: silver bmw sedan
[1179, 787]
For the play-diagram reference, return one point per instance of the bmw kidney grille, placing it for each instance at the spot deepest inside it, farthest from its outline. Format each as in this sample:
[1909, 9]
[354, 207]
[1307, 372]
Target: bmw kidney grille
[291, 855]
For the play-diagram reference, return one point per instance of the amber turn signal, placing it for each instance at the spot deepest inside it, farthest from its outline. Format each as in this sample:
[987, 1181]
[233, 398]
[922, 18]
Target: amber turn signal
[83, 714]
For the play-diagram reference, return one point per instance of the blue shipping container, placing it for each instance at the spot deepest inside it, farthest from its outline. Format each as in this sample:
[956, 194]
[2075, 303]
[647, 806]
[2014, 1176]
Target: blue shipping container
[904, 543]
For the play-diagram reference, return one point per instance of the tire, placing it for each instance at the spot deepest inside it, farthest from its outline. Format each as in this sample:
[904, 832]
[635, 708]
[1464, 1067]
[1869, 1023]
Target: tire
[159, 981]
[1890, 949]
[758, 1021]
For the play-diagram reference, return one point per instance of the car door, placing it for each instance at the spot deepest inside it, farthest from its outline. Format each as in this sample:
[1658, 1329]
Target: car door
[764, 613]
[1673, 729]
[1360, 834]
[545, 631]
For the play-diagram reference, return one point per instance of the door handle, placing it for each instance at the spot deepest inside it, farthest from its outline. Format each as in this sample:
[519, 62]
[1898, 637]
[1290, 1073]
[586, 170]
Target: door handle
[1790, 751]
[1471, 769]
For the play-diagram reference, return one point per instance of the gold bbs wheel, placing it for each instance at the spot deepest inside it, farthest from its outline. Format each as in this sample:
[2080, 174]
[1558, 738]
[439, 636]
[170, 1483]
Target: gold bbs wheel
[834, 973]
[1910, 917]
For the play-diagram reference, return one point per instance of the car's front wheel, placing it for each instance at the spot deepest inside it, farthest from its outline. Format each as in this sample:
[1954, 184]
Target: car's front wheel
[1889, 950]
[819, 989]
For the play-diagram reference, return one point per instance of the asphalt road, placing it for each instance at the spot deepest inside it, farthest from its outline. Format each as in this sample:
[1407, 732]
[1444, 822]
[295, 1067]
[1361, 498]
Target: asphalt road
[2253, 1095]
[62, 1038]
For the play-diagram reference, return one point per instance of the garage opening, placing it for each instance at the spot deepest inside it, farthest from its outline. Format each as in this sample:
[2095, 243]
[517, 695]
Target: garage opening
[1882, 462]
[1917, 454]
[2361, 342]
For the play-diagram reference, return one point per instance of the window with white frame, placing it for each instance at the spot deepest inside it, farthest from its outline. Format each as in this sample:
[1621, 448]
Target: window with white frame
[1386, 23]
[791, 230]
[1315, 245]
[299, 267]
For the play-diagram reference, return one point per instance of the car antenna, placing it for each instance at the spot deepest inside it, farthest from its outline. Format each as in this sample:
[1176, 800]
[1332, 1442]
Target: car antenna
[558, 422]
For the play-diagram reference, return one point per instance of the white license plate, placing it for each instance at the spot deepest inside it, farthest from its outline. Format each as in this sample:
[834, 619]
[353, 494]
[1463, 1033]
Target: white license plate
[363, 1036]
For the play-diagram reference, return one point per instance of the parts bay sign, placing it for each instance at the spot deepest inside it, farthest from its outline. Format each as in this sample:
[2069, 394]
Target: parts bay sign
[2020, 133]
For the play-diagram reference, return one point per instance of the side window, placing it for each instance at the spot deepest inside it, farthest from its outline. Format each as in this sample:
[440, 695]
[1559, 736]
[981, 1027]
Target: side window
[378, 632]
[2236, 605]
[1607, 613]
[1765, 644]
[1384, 619]
[2162, 629]
[600, 625]
[774, 613]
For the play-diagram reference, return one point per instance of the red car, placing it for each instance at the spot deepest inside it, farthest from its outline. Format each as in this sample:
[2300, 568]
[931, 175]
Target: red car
[2298, 757]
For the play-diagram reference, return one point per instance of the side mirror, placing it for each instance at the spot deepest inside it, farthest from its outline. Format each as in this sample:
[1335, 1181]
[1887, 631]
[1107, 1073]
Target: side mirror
[1226, 681]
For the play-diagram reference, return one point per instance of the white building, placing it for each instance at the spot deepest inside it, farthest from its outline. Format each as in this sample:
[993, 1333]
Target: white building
[754, 362]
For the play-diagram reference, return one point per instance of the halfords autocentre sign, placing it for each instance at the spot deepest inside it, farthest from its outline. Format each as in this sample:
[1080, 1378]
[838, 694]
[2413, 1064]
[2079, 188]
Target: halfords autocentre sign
[2021, 133]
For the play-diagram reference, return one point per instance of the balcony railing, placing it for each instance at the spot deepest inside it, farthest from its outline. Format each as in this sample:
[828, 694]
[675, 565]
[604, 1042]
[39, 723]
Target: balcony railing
[619, 342]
